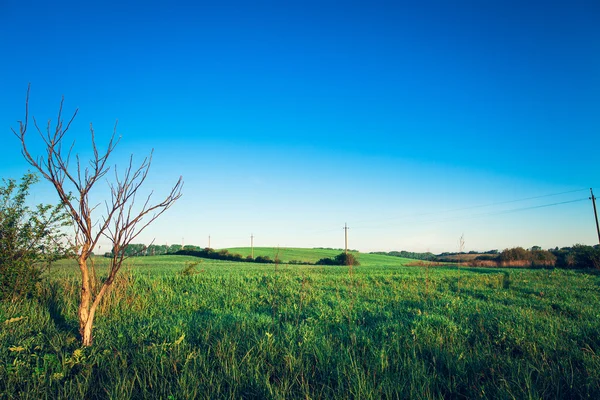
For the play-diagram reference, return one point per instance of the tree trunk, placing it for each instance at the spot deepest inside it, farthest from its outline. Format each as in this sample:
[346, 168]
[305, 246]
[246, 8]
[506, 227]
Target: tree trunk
[86, 334]
[86, 295]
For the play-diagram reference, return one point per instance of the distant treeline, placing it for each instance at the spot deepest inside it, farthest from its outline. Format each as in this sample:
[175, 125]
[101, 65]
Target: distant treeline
[578, 256]
[225, 255]
[575, 257]
[139, 249]
[447, 256]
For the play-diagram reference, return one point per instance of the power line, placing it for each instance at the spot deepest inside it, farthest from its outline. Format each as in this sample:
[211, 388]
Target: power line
[518, 200]
[482, 205]
[463, 217]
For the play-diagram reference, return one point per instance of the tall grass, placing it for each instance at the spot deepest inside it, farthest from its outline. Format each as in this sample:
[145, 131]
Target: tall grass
[234, 330]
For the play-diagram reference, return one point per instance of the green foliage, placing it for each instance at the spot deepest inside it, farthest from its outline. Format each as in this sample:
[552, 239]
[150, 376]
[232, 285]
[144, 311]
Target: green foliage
[174, 248]
[519, 256]
[579, 256]
[514, 254]
[263, 259]
[157, 249]
[347, 259]
[224, 255]
[29, 239]
[340, 259]
[190, 268]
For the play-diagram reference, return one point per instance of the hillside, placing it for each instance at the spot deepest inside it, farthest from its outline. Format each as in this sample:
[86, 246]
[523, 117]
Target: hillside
[313, 255]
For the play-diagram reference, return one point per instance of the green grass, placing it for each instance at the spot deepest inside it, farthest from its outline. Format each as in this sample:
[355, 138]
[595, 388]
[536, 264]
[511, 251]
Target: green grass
[313, 255]
[242, 330]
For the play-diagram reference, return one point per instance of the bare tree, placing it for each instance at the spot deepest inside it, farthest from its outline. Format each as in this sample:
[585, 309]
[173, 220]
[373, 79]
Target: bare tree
[122, 220]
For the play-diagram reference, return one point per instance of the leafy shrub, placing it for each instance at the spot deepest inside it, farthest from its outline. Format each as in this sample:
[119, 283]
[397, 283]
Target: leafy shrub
[542, 257]
[514, 254]
[586, 256]
[236, 257]
[190, 268]
[340, 259]
[326, 261]
[29, 239]
[263, 260]
[579, 256]
[521, 257]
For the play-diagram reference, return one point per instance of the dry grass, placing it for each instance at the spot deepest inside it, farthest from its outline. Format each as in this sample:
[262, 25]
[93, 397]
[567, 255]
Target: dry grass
[510, 264]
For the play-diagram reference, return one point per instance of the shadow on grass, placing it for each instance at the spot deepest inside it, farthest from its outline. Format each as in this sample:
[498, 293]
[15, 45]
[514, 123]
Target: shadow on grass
[53, 302]
[588, 271]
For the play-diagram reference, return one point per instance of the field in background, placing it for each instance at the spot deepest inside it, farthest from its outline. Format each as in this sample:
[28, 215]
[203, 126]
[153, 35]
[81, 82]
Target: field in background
[283, 331]
[314, 255]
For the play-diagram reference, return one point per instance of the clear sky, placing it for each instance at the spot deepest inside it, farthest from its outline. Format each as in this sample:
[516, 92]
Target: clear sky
[414, 122]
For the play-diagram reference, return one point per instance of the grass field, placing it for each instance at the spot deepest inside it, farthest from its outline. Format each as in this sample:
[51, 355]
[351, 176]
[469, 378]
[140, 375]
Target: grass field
[243, 330]
[313, 255]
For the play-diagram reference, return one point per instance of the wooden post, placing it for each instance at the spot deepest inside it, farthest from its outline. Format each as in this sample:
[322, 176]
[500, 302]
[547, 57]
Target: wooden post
[595, 213]
[346, 238]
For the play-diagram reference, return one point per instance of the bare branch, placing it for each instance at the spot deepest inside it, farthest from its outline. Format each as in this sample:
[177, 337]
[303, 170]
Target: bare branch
[121, 223]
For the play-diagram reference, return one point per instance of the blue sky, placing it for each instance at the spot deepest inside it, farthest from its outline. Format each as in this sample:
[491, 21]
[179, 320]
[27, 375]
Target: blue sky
[414, 122]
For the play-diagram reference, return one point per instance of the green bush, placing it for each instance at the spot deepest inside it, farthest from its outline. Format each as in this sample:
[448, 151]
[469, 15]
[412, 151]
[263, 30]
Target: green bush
[586, 256]
[263, 260]
[29, 239]
[514, 254]
[578, 257]
[522, 257]
[340, 259]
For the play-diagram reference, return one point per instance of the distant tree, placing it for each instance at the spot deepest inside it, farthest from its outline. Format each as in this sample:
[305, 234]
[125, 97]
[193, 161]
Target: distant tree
[340, 259]
[514, 254]
[263, 260]
[123, 220]
[542, 257]
[157, 249]
[174, 248]
[326, 261]
[586, 256]
[135, 249]
[346, 259]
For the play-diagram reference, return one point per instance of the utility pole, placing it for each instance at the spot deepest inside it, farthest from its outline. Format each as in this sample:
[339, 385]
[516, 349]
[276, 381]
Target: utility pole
[252, 245]
[595, 213]
[209, 241]
[346, 237]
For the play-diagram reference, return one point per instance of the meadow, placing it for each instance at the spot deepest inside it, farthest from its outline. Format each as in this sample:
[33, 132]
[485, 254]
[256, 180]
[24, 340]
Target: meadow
[174, 329]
